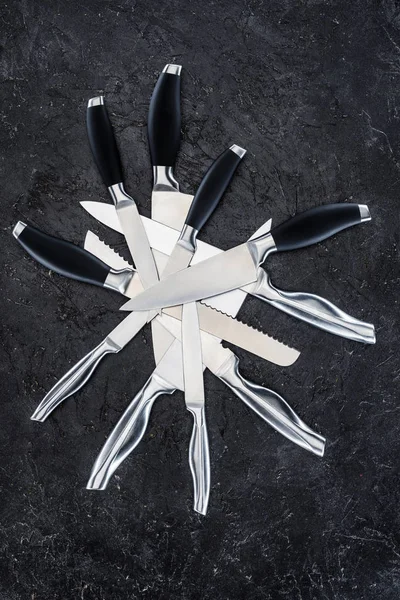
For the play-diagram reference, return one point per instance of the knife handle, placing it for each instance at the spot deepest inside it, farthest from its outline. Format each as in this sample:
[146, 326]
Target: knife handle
[317, 224]
[164, 122]
[60, 256]
[199, 461]
[127, 433]
[271, 407]
[314, 310]
[102, 142]
[74, 380]
[213, 186]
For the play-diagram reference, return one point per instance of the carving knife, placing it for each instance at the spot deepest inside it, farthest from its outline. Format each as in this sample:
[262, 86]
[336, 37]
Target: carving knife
[240, 266]
[310, 308]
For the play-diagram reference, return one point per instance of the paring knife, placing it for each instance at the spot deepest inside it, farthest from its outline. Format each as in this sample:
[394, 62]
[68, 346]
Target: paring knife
[106, 155]
[240, 266]
[222, 362]
[310, 308]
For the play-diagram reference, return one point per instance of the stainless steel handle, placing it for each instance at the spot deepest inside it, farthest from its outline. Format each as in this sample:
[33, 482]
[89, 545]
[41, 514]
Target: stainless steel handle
[314, 310]
[127, 433]
[199, 461]
[272, 408]
[72, 381]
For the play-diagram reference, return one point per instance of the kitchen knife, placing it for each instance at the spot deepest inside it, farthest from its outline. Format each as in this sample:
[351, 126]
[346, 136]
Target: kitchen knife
[310, 308]
[271, 407]
[204, 203]
[71, 261]
[167, 376]
[224, 364]
[168, 204]
[106, 156]
[239, 266]
[199, 454]
[80, 373]
[219, 324]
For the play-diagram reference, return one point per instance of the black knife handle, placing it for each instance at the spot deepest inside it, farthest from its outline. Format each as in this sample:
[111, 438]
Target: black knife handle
[317, 224]
[164, 123]
[102, 142]
[213, 186]
[61, 256]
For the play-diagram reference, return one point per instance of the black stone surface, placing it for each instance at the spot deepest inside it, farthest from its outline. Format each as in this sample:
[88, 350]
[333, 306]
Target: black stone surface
[311, 90]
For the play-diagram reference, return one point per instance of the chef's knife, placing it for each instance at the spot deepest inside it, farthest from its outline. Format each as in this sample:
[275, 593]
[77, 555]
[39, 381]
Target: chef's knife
[224, 364]
[74, 262]
[219, 324]
[268, 405]
[106, 156]
[240, 266]
[167, 376]
[310, 308]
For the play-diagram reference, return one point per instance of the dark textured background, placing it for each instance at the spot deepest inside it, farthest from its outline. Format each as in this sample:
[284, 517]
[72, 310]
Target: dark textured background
[311, 90]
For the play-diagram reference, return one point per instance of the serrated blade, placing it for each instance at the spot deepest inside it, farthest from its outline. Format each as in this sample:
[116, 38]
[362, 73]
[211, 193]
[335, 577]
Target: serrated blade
[217, 323]
[163, 239]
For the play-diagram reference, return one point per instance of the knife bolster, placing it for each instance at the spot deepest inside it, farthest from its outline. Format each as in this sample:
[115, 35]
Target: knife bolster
[164, 180]
[187, 238]
[119, 280]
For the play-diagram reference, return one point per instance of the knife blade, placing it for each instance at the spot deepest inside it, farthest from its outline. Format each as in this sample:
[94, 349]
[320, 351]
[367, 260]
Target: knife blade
[307, 307]
[204, 203]
[199, 454]
[71, 261]
[219, 324]
[106, 155]
[168, 204]
[268, 405]
[240, 267]
[129, 430]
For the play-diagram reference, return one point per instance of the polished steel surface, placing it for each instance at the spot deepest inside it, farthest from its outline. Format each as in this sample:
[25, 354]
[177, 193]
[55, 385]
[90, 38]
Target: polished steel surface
[314, 310]
[18, 229]
[215, 322]
[309, 308]
[364, 213]
[172, 69]
[199, 456]
[97, 101]
[119, 280]
[227, 271]
[238, 150]
[76, 378]
[269, 405]
[164, 180]
[132, 425]
[135, 235]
